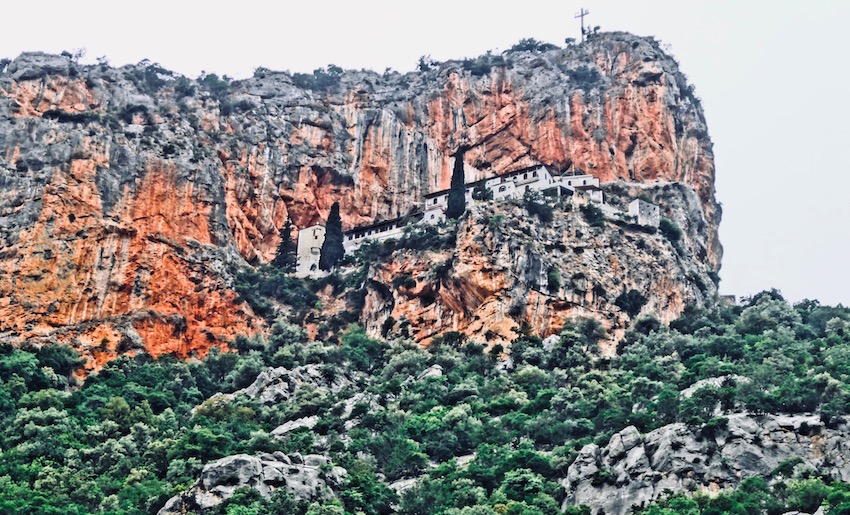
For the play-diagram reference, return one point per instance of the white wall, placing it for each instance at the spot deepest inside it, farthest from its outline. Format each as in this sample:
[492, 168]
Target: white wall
[310, 242]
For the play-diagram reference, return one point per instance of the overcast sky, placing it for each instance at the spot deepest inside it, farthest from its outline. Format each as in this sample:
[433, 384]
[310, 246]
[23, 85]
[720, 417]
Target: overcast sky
[772, 76]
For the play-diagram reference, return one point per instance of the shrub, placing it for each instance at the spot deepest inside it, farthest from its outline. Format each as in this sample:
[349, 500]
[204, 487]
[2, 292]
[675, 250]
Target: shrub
[183, 87]
[482, 65]
[404, 281]
[670, 230]
[554, 280]
[631, 302]
[218, 87]
[584, 77]
[482, 192]
[535, 206]
[593, 215]
[531, 45]
[322, 79]
[258, 286]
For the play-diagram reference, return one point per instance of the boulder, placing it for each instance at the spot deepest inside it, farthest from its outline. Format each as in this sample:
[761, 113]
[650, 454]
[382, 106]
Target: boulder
[634, 470]
[305, 477]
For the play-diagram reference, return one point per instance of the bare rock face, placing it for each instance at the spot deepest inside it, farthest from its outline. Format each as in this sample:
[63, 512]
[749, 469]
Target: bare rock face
[497, 276]
[276, 385]
[128, 196]
[634, 469]
[304, 477]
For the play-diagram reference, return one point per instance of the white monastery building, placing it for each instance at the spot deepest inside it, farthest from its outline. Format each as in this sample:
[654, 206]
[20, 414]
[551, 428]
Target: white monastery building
[581, 187]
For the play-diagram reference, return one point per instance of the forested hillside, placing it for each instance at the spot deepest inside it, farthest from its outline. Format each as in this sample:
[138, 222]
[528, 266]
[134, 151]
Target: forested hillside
[443, 429]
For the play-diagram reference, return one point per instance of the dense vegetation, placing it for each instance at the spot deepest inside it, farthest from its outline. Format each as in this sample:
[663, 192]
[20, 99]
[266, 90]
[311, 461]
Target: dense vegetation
[482, 435]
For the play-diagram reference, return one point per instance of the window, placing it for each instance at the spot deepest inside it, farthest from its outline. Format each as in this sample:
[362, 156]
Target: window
[525, 176]
[502, 188]
[584, 182]
[435, 201]
[534, 174]
[569, 183]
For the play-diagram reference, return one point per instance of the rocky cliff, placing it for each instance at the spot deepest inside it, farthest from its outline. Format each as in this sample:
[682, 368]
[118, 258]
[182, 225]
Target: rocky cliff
[635, 469]
[129, 195]
[509, 269]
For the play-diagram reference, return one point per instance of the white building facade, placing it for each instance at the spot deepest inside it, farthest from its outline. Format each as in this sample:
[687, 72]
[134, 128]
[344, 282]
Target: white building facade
[582, 187]
[310, 240]
[645, 213]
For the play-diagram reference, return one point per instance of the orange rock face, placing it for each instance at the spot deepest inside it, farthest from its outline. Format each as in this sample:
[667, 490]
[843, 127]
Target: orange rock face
[127, 200]
[87, 279]
[494, 282]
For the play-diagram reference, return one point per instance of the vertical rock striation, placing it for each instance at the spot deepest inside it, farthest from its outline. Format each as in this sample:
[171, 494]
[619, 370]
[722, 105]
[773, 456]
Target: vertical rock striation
[128, 195]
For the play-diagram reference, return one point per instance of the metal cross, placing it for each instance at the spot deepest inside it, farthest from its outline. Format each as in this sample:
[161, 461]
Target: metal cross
[581, 15]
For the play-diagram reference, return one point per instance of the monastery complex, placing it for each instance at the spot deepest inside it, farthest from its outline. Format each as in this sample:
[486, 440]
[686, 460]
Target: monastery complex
[580, 188]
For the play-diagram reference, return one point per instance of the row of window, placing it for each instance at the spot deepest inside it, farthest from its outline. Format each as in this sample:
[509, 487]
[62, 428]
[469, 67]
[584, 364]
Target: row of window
[357, 236]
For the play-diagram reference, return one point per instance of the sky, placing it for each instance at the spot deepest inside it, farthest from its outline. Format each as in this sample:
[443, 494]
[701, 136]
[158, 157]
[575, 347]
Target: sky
[772, 77]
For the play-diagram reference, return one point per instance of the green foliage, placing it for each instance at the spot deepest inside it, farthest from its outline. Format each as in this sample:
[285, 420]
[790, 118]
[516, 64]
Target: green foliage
[425, 63]
[536, 206]
[755, 495]
[593, 215]
[631, 302]
[286, 258]
[332, 250]
[322, 79]
[141, 430]
[404, 281]
[482, 65]
[584, 77]
[531, 45]
[670, 230]
[150, 77]
[554, 280]
[217, 87]
[456, 203]
[482, 192]
[259, 286]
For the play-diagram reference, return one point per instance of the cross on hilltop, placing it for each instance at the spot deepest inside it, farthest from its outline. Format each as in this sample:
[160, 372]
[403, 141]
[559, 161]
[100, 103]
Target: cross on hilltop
[581, 14]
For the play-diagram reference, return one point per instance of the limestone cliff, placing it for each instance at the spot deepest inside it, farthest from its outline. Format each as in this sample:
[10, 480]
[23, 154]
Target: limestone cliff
[128, 195]
[508, 269]
[635, 469]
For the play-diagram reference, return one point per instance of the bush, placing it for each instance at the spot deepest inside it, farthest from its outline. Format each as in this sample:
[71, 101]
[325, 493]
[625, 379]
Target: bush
[535, 206]
[584, 77]
[483, 65]
[670, 230]
[631, 302]
[532, 45]
[554, 280]
[258, 286]
[218, 87]
[593, 215]
[404, 281]
[322, 79]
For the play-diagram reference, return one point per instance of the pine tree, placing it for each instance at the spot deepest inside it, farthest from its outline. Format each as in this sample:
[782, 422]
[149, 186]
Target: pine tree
[332, 250]
[286, 258]
[457, 194]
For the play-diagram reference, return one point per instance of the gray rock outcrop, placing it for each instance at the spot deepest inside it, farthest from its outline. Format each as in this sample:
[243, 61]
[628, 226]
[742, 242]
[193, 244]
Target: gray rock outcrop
[305, 477]
[634, 469]
[275, 385]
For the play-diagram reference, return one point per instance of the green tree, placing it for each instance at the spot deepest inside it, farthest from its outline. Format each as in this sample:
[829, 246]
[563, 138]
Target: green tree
[332, 250]
[286, 257]
[457, 194]
[631, 302]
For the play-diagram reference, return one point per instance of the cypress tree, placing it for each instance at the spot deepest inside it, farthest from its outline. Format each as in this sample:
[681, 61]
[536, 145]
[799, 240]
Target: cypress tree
[332, 250]
[286, 258]
[457, 194]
